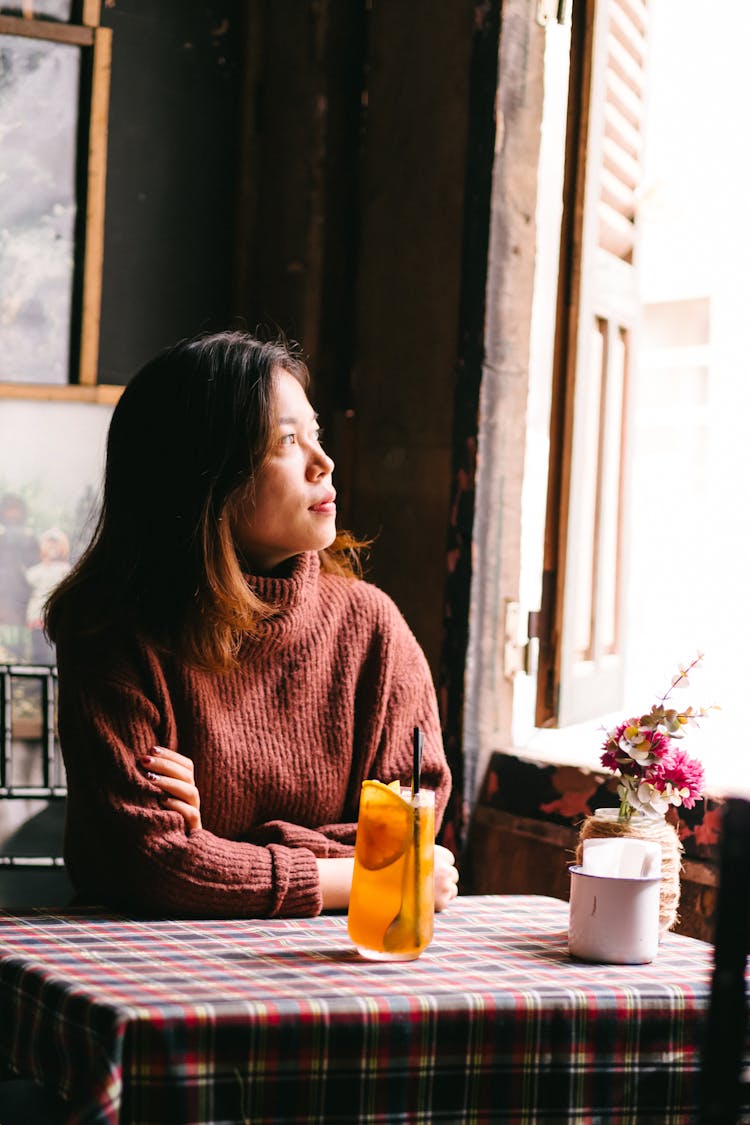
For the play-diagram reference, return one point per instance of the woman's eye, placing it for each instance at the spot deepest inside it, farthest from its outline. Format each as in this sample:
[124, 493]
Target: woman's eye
[288, 439]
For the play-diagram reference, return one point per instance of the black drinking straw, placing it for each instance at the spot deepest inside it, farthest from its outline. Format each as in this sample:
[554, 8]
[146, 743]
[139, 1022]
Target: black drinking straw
[415, 779]
[417, 766]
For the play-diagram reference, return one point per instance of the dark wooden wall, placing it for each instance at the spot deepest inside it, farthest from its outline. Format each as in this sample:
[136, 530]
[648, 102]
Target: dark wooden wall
[355, 134]
[172, 168]
[409, 285]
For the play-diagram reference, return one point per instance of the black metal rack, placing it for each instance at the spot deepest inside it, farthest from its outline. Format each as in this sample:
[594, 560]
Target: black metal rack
[28, 709]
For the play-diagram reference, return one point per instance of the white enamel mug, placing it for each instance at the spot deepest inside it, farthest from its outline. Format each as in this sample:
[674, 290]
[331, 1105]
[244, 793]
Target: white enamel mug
[614, 919]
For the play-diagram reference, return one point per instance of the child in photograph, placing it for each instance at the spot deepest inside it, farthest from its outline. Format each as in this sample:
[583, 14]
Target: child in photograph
[42, 578]
[19, 549]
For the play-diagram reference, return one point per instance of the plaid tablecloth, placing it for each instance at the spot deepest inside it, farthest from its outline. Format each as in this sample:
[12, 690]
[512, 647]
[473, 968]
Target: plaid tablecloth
[160, 1022]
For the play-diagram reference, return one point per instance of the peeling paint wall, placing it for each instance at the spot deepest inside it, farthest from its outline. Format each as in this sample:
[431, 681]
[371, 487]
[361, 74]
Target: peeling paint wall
[505, 384]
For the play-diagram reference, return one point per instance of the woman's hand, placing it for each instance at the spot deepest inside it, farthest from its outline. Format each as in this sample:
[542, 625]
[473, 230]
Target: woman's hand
[446, 877]
[173, 773]
[336, 880]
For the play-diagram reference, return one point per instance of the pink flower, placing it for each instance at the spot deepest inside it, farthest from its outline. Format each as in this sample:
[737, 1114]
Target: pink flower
[678, 772]
[609, 758]
[630, 748]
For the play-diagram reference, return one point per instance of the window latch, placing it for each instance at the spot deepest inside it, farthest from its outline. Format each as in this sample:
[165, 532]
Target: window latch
[520, 646]
[548, 10]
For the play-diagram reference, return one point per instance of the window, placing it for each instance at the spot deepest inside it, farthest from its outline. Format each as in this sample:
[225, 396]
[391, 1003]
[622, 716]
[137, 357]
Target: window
[647, 551]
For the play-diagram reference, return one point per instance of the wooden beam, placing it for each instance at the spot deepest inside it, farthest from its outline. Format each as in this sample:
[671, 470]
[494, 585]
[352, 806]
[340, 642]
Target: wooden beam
[91, 14]
[44, 29]
[97, 173]
[103, 393]
[61, 392]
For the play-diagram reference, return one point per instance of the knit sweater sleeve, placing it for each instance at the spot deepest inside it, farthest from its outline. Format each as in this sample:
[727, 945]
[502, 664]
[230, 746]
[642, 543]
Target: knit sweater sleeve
[122, 847]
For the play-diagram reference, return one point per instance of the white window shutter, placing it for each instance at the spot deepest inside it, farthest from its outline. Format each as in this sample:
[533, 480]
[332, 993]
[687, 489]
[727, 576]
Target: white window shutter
[581, 659]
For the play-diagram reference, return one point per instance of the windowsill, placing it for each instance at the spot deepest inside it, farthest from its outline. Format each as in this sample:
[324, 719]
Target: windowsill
[727, 766]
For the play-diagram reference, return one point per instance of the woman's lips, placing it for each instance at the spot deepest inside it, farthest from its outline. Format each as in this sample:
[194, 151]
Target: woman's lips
[326, 507]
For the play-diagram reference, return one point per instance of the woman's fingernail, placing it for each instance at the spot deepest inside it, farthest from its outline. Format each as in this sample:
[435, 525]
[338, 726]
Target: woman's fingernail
[160, 750]
[146, 760]
[152, 776]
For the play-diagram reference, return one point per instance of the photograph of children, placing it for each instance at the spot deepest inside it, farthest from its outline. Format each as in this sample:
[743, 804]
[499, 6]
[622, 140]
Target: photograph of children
[51, 461]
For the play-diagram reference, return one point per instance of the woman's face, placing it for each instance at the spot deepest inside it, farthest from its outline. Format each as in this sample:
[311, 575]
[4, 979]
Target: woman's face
[293, 505]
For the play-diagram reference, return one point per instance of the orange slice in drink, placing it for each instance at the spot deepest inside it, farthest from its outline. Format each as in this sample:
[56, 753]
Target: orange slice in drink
[383, 827]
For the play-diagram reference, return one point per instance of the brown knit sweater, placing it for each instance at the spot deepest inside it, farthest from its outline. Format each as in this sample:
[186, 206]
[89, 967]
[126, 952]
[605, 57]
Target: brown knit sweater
[326, 696]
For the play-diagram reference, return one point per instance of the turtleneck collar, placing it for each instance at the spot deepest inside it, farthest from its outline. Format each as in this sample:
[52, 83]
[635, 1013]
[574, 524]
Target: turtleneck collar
[292, 593]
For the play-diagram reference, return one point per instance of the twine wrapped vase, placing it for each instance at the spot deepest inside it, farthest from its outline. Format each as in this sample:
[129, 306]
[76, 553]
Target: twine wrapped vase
[608, 823]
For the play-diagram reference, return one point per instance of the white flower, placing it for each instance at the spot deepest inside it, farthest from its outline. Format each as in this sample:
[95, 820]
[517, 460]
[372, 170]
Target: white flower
[652, 799]
[674, 795]
[635, 745]
[643, 797]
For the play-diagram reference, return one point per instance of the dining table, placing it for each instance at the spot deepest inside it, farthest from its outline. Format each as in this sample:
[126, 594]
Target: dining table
[157, 1021]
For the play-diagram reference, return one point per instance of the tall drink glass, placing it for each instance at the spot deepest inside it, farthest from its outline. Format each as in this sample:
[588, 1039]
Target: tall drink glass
[392, 904]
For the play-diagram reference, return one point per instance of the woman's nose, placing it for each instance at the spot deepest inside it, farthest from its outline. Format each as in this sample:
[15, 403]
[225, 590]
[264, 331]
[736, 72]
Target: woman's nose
[321, 465]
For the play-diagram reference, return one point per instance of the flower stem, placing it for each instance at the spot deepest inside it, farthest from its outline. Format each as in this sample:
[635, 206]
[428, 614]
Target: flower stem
[684, 673]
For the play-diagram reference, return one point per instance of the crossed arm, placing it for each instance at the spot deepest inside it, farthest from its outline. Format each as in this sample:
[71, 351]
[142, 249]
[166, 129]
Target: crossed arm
[173, 774]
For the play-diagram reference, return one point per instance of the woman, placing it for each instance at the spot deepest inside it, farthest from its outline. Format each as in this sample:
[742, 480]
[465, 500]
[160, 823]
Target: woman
[214, 640]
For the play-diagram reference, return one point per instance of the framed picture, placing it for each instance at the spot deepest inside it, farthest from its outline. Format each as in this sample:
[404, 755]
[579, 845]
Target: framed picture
[51, 469]
[54, 103]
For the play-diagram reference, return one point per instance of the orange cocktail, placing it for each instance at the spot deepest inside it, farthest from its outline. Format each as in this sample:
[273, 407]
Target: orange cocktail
[392, 903]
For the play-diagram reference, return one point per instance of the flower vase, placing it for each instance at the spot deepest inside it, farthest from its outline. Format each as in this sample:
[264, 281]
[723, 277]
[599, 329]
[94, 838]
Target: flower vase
[608, 823]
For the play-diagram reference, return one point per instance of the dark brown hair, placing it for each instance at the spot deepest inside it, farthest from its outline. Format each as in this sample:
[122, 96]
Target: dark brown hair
[190, 431]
